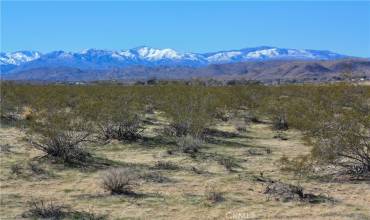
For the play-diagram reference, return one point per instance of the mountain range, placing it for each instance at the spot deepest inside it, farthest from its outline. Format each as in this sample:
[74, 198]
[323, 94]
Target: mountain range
[144, 62]
[147, 56]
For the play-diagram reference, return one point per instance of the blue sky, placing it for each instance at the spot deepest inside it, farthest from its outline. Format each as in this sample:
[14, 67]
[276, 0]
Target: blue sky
[189, 26]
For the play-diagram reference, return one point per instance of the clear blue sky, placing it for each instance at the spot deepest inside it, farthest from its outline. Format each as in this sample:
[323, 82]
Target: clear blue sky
[342, 27]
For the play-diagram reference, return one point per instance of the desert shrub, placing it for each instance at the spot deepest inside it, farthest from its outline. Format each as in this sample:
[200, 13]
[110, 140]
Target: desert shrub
[166, 165]
[275, 106]
[116, 116]
[302, 166]
[334, 118]
[228, 162]
[345, 142]
[222, 115]
[42, 209]
[64, 147]
[180, 128]
[13, 106]
[190, 108]
[289, 192]
[119, 181]
[62, 135]
[305, 111]
[284, 191]
[47, 210]
[280, 123]
[127, 129]
[189, 144]
[213, 195]
[8, 102]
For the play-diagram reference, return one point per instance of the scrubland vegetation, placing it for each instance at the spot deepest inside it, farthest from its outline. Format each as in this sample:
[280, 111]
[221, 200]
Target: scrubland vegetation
[185, 151]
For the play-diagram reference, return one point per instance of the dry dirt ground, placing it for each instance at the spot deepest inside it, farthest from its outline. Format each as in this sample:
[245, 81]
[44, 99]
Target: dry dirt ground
[179, 193]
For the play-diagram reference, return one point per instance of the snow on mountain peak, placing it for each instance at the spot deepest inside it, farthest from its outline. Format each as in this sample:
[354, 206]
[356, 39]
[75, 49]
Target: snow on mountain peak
[157, 54]
[148, 56]
[18, 57]
[273, 52]
[224, 56]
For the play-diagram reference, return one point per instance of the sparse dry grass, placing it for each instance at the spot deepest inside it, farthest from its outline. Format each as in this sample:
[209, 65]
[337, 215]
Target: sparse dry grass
[183, 196]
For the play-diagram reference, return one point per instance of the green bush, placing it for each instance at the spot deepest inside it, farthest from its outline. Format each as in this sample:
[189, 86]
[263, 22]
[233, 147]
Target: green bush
[115, 115]
[345, 142]
[190, 108]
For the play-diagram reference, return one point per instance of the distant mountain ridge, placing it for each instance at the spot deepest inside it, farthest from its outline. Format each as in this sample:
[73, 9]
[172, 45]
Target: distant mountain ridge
[263, 71]
[93, 59]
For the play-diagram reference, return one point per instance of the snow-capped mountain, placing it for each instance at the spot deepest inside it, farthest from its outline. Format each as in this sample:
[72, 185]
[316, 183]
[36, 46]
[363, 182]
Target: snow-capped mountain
[9, 61]
[18, 57]
[150, 57]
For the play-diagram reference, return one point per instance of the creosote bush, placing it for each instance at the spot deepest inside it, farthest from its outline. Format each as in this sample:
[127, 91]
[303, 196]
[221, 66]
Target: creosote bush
[119, 181]
[345, 142]
[115, 117]
[190, 108]
[189, 144]
[62, 135]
